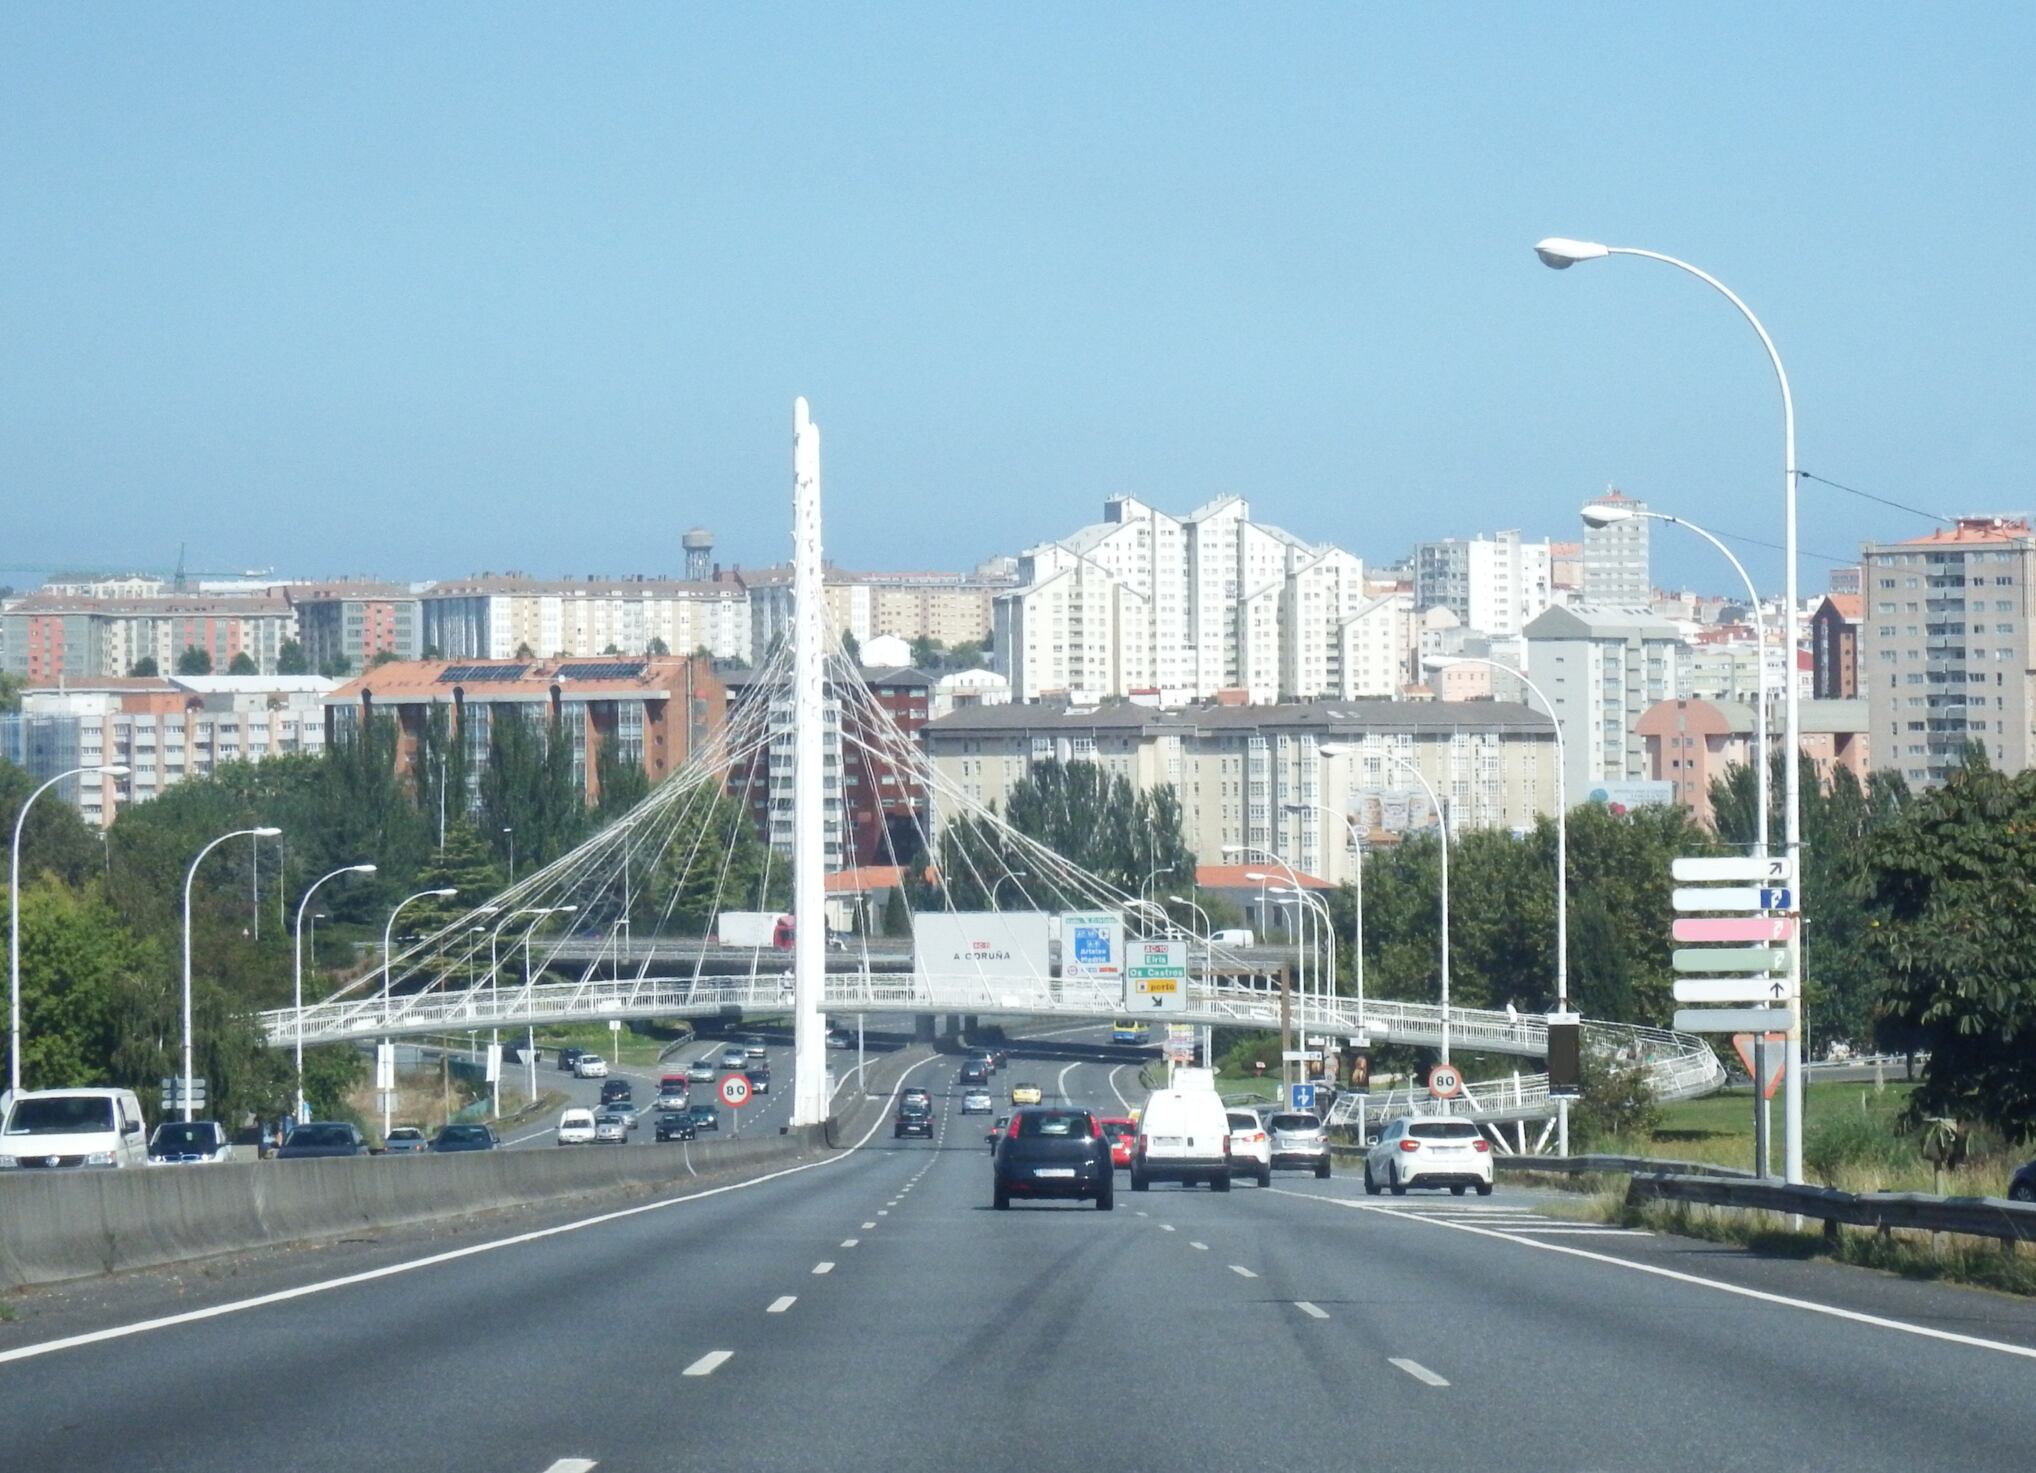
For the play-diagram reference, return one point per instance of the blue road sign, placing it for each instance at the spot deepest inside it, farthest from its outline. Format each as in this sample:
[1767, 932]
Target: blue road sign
[1300, 1097]
[1777, 899]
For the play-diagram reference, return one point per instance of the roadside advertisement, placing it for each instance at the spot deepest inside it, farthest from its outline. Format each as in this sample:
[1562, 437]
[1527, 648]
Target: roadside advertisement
[1008, 950]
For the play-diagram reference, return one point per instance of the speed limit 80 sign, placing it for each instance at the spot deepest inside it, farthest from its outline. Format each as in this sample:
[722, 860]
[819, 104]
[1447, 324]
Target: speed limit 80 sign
[734, 1091]
[1444, 1083]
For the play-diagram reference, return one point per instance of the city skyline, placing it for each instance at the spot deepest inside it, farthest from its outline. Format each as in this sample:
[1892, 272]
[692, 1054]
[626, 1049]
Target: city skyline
[302, 293]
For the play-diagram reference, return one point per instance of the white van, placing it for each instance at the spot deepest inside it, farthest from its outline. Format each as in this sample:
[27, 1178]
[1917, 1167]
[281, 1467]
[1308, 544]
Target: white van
[73, 1127]
[576, 1127]
[1235, 936]
[1183, 1136]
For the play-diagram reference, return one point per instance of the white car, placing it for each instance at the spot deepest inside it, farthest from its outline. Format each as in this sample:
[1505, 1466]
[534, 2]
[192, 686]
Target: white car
[702, 1070]
[1433, 1152]
[576, 1128]
[1250, 1147]
[590, 1066]
[977, 1102]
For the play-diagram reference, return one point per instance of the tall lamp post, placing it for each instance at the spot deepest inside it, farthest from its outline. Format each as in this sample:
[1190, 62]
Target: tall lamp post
[1604, 515]
[351, 869]
[190, 875]
[114, 769]
[1561, 858]
[1442, 831]
[1286, 1068]
[536, 913]
[1357, 940]
[1560, 254]
[388, 946]
[1208, 968]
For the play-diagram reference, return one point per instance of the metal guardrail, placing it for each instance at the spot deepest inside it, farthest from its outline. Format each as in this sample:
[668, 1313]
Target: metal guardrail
[1973, 1217]
[1625, 1165]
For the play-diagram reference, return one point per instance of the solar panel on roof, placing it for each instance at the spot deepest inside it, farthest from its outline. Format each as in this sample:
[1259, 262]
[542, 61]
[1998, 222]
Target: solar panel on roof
[603, 670]
[468, 674]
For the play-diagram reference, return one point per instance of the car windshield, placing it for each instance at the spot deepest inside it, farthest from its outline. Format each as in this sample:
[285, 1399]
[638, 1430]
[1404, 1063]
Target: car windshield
[185, 1136]
[1241, 1121]
[1117, 1130]
[1296, 1122]
[61, 1115]
[320, 1135]
[1442, 1130]
[701, 1112]
[406, 1133]
[462, 1134]
[1062, 1124]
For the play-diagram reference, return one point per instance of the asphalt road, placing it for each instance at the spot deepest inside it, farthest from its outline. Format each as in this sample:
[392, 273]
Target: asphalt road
[874, 1313]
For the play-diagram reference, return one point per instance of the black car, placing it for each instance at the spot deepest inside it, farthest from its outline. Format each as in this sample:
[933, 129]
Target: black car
[676, 1125]
[759, 1079]
[567, 1057]
[1054, 1152]
[973, 1072]
[615, 1089]
[915, 1117]
[323, 1138]
[704, 1117]
[2022, 1186]
[464, 1138]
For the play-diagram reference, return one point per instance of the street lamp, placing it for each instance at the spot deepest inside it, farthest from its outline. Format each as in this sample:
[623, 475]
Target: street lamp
[1604, 514]
[351, 869]
[1286, 1074]
[1442, 831]
[511, 832]
[1146, 883]
[388, 945]
[113, 769]
[530, 1041]
[1561, 253]
[189, 875]
[1439, 662]
[1332, 749]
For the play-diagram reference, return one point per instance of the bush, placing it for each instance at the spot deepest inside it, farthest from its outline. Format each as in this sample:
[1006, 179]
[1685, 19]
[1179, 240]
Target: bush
[1855, 1139]
[1616, 1101]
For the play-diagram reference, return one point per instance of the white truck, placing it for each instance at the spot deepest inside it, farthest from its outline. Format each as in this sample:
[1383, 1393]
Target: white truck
[754, 928]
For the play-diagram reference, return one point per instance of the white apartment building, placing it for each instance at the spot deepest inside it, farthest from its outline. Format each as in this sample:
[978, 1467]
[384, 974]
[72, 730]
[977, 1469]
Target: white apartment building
[164, 729]
[1494, 585]
[1378, 649]
[1602, 668]
[1148, 603]
[948, 608]
[1616, 573]
[491, 618]
[1261, 775]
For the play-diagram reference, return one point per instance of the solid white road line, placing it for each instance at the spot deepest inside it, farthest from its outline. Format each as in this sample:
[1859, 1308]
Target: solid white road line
[1312, 1311]
[1122, 1103]
[1242, 1272]
[1788, 1301]
[573, 1465]
[823, 1267]
[323, 1286]
[707, 1364]
[1060, 1084]
[1418, 1371]
[782, 1303]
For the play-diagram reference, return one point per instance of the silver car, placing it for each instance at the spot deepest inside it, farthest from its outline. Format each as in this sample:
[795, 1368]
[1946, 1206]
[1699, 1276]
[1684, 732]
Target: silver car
[977, 1102]
[1299, 1143]
[610, 1130]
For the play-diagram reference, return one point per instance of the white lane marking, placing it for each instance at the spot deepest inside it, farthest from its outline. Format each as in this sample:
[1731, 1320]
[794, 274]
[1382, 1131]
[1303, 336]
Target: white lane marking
[1166, 1227]
[782, 1303]
[573, 1465]
[367, 1276]
[1311, 1310]
[823, 1267]
[1585, 1232]
[1060, 1084]
[1242, 1272]
[1122, 1103]
[850, 1242]
[1145, 1214]
[867, 1226]
[707, 1364]
[1418, 1371]
[1203, 1246]
[883, 1212]
[1787, 1301]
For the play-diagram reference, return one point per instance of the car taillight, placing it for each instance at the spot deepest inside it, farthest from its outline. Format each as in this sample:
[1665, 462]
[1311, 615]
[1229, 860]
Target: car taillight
[1226, 1145]
[1410, 1145]
[1141, 1142]
[1011, 1131]
[1481, 1145]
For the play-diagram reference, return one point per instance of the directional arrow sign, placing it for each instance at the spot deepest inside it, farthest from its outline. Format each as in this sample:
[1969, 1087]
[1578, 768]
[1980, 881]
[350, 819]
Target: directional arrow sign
[1735, 928]
[1729, 1020]
[1731, 959]
[1733, 989]
[1157, 976]
[1765, 871]
[1728, 897]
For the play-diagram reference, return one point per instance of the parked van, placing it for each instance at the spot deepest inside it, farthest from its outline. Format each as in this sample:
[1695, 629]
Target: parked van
[73, 1127]
[1235, 936]
[1183, 1135]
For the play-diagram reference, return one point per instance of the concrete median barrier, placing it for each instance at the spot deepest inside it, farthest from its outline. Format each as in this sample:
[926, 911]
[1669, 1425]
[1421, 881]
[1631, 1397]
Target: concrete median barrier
[80, 1224]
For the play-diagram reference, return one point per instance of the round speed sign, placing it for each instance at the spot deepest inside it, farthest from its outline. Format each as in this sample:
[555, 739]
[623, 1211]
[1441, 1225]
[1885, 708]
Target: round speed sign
[1444, 1083]
[734, 1091]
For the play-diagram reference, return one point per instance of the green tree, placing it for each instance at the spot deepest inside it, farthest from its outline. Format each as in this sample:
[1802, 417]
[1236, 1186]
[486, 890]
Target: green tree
[242, 663]
[657, 646]
[431, 652]
[1953, 890]
[967, 655]
[623, 784]
[525, 652]
[1615, 1101]
[10, 692]
[1096, 821]
[926, 652]
[194, 661]
[336, 668]
[75, 957]
[144, 667]
[852, 647]
[382, 657]
[897, 915]
[290, 659]
[463, 864]
[713, 862]
[528, 786]
[55, 840]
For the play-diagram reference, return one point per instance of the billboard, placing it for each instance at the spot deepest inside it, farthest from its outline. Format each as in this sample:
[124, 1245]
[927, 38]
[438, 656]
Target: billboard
[1092, 946]
[1620, 795]
[1005, 950]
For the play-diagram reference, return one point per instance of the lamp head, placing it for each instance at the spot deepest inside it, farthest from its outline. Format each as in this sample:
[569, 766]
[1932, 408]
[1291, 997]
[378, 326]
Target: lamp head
[266, 833]
[360, 869]
[1559, 252]
[1606, 513]
[1256, 877]
[1331, 749]
[1438, 662]
[115, 769]
[446, 893]
[1177, 900]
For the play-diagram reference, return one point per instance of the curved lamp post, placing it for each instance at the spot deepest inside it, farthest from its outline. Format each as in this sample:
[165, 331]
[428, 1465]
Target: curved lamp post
[190, 875]
[351, 869]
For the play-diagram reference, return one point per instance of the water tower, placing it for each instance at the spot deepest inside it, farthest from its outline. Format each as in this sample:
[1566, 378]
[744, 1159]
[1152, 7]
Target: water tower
[699, 545]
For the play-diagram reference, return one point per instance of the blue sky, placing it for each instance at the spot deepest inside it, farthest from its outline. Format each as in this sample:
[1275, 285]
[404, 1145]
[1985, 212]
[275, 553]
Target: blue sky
[423, 290]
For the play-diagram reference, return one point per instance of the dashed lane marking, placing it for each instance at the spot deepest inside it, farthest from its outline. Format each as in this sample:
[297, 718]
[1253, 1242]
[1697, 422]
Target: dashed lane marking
[782, 1303]
[867, 1226]
[1242, 1272]
[1166, 1227]
[1203, 1246]
[850, 1242]
[1418, 1371]
[1313, 1311]
[708, 1364]
[573, 1465]
[823, 1267]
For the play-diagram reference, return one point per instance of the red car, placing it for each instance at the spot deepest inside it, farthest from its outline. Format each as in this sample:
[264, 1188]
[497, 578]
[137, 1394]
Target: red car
[1121, 1132]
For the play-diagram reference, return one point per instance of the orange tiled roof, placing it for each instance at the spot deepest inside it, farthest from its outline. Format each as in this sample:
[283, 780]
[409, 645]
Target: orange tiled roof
[1977, 529]
[1236, 876]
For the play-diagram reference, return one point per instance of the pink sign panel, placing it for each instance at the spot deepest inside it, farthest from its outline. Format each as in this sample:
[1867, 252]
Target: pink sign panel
[1736, 928]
